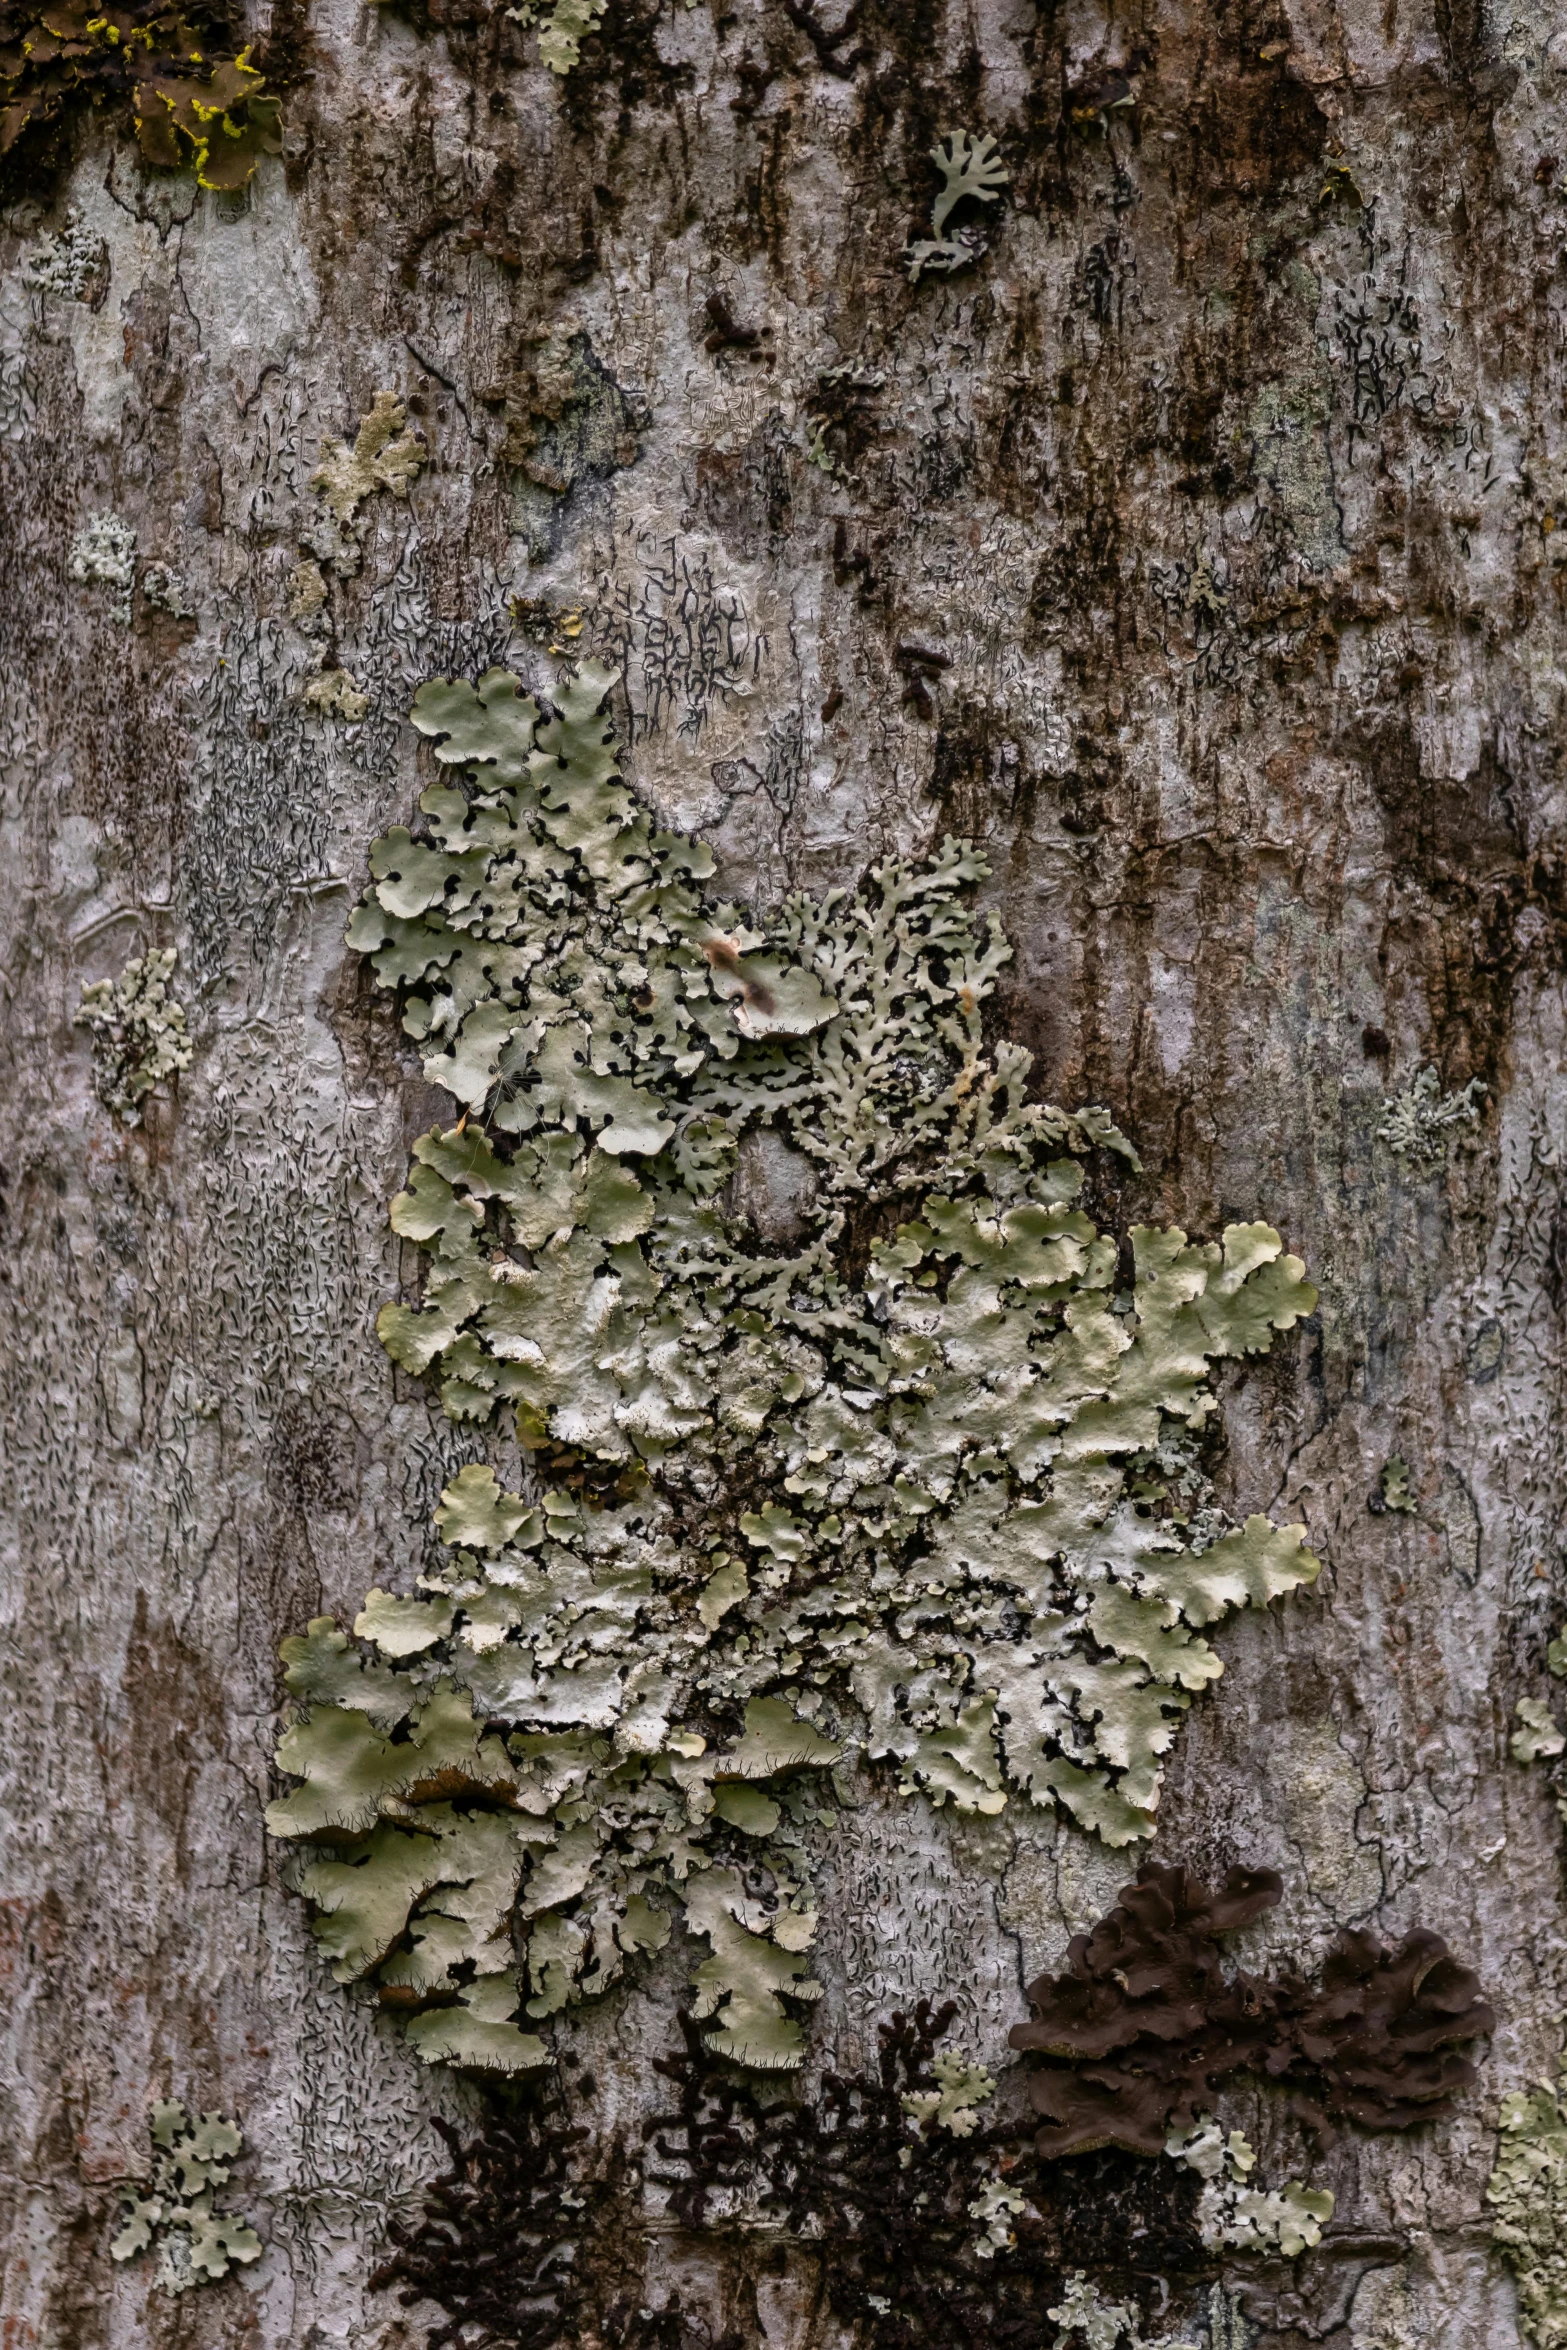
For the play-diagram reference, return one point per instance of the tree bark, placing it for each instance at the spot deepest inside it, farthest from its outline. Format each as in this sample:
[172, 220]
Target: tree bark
[1195, 550]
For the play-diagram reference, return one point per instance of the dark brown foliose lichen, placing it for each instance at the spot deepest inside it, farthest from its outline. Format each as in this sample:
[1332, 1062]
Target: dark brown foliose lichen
[1147, 2028]
[535, 2238]
[929, 2221]
[894, 2207]
[520, 2248]
[188, 89]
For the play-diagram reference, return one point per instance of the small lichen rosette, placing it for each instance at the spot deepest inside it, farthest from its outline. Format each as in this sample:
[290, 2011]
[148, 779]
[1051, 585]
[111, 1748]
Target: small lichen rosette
[851, 1440]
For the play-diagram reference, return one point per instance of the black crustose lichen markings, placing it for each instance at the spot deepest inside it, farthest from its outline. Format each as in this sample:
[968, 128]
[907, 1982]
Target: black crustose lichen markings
[852, 1440]
[496, 2244]
[186, 87]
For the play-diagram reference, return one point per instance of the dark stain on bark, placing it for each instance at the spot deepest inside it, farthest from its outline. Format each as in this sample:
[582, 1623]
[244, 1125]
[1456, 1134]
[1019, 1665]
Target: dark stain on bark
[1477, 901]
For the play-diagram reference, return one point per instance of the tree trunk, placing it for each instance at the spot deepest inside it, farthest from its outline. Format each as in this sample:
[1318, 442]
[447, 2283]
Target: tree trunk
[1188, 539]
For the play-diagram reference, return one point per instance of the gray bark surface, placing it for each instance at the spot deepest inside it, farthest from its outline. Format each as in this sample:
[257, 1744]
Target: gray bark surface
[1226, 486]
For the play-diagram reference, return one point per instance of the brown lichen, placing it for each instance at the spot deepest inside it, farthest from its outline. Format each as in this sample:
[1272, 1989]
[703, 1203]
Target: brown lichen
[893, 2189]
[487, 2246]
[537, 2234]
[1146, 2028]
[193, 96]
[521, 2251]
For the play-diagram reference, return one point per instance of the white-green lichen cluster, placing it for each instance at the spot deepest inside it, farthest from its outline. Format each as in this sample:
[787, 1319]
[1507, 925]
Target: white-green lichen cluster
[1419, 1124]
[67, 262]
[196, 2244]
[563, 26]
[138, 1033]
[995, 2208]
[969, 167]
[334, 693]
[954, 2104]
[1394, 1491]
[1528, 2196]
[166, 590]
[852, 1442]
[1233, 2212]
[103, 554]
[1541, 1739]
[385, 455]
[1087, 2321]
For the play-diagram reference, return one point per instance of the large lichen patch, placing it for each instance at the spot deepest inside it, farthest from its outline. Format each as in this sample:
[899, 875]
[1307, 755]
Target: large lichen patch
[853, 1438]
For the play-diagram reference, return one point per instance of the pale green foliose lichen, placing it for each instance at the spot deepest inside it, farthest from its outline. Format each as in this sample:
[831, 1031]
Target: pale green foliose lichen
[1541, 1735]
[1393, 1486]
[969, 167]
[563, 27]
[66, 263]
[166, 591]
[138, 1033]
[307, 594]
[1087, 2320]
[1418, 1124]
[860, 1448]
[196, 2245]
[334, 693]
[103, 554]
[1541, 1739]
[385, 456]
[1231, 2211]
[953, 2105]
[1528, 2195]
[995, 2207]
